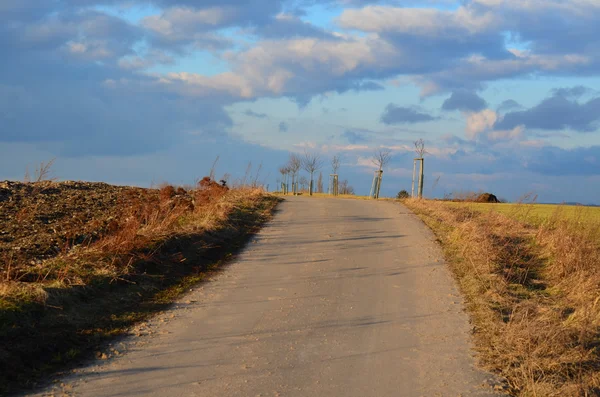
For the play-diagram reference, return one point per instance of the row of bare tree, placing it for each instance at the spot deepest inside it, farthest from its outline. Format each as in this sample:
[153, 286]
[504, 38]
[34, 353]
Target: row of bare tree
[311, 163]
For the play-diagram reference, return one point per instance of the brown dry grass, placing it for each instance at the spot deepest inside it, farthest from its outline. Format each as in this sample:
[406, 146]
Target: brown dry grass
[163, 239]
[533, 292]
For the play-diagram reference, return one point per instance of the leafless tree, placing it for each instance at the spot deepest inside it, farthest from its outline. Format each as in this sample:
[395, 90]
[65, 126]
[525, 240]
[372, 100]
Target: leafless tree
[345, 187]
[213, 169]
[381, 158]
[255, 182]
[42, 173]
[283, 170]
[320, 183]
[294, 165]
[335, 163]
[311, 162]
[303, 183]
[420, 148]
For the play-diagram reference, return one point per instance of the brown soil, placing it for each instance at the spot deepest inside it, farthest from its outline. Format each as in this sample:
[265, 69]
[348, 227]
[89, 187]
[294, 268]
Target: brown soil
[41, 220]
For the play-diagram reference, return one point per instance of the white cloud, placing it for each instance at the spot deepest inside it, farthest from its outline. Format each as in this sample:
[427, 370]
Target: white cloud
[344, 148]
[418, 21]
[192, 84]
[508, 135]
[480, 122]
[76, 48]
[178, 22]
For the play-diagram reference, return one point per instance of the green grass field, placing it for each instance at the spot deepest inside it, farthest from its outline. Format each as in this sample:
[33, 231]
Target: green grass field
[539, 213]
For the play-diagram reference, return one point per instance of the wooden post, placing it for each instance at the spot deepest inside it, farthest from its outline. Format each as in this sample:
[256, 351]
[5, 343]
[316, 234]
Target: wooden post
[379, 180]
[421, 178]
[373, 187]
[412, 194]
[333, 184]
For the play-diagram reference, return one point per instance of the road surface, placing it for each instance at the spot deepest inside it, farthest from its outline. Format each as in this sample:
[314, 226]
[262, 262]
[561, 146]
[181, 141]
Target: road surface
[332, 298]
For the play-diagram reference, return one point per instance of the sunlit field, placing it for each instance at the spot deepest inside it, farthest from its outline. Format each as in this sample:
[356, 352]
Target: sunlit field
[538, 213]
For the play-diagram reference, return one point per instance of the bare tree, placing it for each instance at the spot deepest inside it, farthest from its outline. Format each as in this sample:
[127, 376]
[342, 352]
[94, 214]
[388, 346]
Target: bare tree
[311, 162]
[420, 148]
[333, 182]
[345, 187]
[381, 158]
[213, 169]
[42, 173]
[335, 163]
[255, 182]
[294, 165]
[320, 183]
[303, 183]
[283, 170]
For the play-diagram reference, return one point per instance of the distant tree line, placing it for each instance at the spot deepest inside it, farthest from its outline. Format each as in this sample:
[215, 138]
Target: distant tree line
[291, 182]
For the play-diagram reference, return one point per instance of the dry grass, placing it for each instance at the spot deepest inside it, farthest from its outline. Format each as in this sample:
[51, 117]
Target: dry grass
[164, 239]
[533, 292]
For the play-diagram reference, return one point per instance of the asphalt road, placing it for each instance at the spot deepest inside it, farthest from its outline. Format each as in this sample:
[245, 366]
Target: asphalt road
[332, 298]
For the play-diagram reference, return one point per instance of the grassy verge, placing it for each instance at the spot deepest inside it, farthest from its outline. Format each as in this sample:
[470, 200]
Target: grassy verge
[57, 313]
[533, 293]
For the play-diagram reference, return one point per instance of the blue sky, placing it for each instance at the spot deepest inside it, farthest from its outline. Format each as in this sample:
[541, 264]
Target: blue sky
[506, 94]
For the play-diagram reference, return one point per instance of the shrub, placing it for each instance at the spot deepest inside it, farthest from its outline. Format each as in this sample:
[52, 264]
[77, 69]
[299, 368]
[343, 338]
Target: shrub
[402, 194]
[209, 191]
[487, 198]
[166, 192]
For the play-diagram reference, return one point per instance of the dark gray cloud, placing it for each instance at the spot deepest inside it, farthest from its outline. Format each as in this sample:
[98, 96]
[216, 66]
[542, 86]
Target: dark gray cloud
[552, 160]
[555, 27]
[68, 91]
[466, 101]
[556, 113]
[355, 137]
[573, 92]
[86, 35]
[283, 127]
[87, 119]
[255, 114]
[509, 104]
[404, 115]
[368, 86]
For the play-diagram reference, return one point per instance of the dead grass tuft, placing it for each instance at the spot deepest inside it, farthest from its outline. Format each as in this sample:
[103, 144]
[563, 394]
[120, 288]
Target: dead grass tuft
[166, 193]
[533, 292]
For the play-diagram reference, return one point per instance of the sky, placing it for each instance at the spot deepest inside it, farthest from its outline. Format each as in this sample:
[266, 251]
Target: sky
[505, 93]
